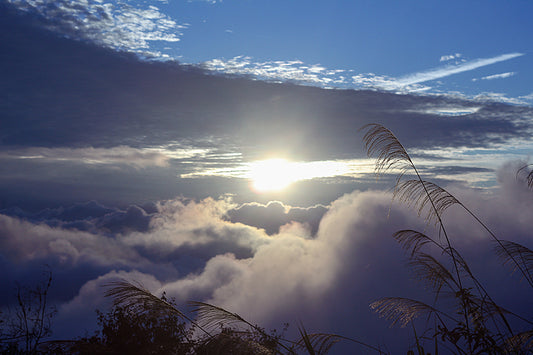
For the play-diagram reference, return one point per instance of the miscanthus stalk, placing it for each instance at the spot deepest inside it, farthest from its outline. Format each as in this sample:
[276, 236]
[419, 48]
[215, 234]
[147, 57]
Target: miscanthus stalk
[478, 324]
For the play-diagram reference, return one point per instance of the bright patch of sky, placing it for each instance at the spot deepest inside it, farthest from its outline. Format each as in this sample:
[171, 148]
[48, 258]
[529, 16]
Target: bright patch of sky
[408, 46]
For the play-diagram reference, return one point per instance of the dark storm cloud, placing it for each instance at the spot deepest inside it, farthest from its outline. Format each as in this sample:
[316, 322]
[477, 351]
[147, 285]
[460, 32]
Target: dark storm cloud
[58, 92]
[80, 122]
[89, 216]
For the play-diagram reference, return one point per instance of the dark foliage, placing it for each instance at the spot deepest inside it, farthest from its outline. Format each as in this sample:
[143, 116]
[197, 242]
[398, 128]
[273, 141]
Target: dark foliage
[126, 332]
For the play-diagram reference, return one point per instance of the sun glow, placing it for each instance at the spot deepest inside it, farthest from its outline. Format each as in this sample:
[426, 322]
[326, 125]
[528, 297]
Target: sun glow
[277, 174]
[271, 175]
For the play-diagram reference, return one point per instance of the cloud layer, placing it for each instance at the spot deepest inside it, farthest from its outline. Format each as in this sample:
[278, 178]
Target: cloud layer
[325, 278]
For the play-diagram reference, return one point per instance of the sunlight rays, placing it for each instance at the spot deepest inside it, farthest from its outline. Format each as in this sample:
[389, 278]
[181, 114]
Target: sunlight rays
[278, 174]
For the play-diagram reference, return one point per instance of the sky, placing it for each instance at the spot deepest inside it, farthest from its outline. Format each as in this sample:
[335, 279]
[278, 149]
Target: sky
[213, 149]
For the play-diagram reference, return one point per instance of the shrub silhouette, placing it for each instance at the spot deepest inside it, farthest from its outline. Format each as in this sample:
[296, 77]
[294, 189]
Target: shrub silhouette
[24, 327]
[219, 331]
[126, 332]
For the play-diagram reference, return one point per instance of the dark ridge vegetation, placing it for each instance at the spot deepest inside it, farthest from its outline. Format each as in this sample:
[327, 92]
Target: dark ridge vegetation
[462, 319]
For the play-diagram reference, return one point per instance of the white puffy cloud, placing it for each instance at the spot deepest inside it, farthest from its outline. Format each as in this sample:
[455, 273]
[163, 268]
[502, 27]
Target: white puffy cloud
[195, 230]
[114, 24]
[24, 241]
[326, 280]
[197, 226]
[448, 57]
[293, 275]
[352, 259]
[279, 70]
[275, 214]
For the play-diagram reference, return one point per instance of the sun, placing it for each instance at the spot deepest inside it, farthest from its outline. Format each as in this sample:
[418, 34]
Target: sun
[274, 175]
[271, 175]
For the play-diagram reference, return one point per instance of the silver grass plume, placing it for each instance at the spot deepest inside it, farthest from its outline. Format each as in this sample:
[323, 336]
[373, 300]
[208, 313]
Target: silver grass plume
[211, 317]
[321, 343]
[391, 154]
[381, 142]
[412, 241]
[528, 174]
[429, 269]
[521, 256]
[399, 310]
[422, 195]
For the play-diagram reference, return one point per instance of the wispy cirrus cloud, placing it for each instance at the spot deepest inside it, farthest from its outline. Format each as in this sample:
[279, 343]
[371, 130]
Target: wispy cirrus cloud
[442, 72]
[303, 73]
[316, 74]
[496, 76]
[154, 156]
[138, 158]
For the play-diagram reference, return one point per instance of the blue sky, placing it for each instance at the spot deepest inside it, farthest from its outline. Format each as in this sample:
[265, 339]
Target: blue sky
[360, 44]
[382, 38]
[213, 150]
